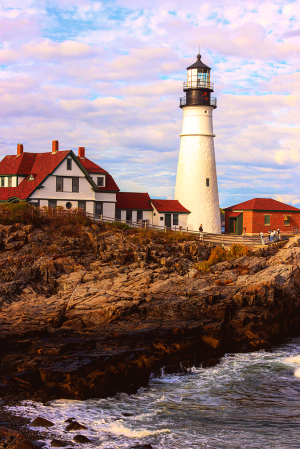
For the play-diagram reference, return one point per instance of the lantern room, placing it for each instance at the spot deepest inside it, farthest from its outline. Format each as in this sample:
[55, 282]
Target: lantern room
[198, 87]
[198, 75]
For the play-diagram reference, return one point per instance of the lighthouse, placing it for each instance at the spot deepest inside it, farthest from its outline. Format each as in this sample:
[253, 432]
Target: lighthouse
[196, 181]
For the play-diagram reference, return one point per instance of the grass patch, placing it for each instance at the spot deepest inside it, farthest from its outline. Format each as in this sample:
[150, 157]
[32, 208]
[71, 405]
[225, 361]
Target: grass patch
[220, 254]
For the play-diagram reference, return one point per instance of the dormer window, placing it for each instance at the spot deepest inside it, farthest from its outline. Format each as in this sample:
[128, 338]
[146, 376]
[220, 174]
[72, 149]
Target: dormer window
[2, 182]
[31, 178]
[69, 164]
[100, 182]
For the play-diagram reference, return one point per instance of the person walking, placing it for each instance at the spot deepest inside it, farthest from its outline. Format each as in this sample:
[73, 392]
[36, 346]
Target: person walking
[262, 237]
[278, 234]
[269, 232]
[201, 232]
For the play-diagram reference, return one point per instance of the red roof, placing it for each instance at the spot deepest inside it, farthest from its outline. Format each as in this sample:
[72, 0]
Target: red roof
[264, 204]
[235, 214]
[17, 165]
[109, 184]
[133, 200]
[90, 166]
[42, 165]
[169, 206]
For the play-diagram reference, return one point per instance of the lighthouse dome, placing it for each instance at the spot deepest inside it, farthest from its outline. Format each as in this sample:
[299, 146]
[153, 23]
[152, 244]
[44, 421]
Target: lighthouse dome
[198, 64]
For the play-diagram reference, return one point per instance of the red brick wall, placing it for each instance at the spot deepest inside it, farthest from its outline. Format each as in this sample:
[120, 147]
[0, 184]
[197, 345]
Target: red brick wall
[276, 221]
[254, 221]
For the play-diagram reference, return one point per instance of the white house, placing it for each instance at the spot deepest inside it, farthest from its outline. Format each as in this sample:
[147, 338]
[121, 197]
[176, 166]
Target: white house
[169, 213]
[61, 178]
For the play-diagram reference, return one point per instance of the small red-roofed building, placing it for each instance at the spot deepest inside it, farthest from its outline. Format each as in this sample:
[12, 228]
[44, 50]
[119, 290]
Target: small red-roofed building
[58, 178]
[134, 206]
[169, 213]
[261, 214]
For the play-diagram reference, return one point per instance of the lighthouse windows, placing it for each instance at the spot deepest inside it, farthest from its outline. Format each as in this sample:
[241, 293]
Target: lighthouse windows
[207, 182]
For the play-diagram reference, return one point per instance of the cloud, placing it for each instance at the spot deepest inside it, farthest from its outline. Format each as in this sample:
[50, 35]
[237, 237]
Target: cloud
[108, 76]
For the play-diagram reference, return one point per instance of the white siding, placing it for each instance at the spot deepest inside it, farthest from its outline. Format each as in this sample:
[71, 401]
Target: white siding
[62, 170]
[63, 203]
[123, 214]
[134, 215]
[43, 203]
[90, 207]
[49, 190]
[105, 196]
[109, 210]
[148, 215]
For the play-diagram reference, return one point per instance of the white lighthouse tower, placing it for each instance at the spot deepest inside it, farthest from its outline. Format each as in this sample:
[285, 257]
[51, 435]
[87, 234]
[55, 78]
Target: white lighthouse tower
[196, 181]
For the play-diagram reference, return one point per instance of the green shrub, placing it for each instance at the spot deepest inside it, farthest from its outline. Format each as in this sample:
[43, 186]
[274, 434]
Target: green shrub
[219, 254]
[20, 212]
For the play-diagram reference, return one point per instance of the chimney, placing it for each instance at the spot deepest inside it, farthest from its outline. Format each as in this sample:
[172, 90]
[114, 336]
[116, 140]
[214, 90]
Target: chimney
[20, 149]
[55, 146]
[81, 152]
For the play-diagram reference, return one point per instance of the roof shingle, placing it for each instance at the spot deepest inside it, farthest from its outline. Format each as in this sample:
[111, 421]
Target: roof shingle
[169, 206]
[133, 200]
[264, 204]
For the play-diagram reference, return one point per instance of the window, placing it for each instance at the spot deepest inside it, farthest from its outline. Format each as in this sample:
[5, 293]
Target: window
[139, 215]
[75, 184]
[68, 205]
[287, 219]
[128, 215]
[81, 205]
[9, 182]
[52, 204]
[2, 182]
[207, 182]
[267, 220]
[69, 164]
[59, 184]
[98, 208]
[118, 214]
[100, 182]
[161, 218]
[175, 219]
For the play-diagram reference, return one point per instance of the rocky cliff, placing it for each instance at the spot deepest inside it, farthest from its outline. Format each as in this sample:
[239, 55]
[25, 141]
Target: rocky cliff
[92, 311]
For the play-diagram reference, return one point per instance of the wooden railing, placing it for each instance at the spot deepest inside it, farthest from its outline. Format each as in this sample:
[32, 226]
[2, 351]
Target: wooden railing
[218, 239]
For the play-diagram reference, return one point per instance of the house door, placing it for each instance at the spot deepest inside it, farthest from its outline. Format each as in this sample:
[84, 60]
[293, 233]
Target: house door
[98, 208]
[232, 225]
[168, 220]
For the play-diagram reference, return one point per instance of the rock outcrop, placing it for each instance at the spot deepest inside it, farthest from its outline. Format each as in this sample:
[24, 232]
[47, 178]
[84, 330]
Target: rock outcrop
[95, 314]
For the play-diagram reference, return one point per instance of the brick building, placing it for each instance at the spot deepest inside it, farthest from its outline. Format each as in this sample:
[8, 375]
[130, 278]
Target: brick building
[261, 214]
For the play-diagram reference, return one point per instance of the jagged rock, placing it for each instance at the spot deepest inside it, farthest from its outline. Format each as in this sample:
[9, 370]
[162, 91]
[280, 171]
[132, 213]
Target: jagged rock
[74, 425]
[20, 443]
[59, 443]
[41, 422]
[75, 326]
[81, 439]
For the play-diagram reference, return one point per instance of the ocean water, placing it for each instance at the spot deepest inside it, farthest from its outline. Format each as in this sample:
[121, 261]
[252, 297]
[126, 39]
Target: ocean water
[247, 401]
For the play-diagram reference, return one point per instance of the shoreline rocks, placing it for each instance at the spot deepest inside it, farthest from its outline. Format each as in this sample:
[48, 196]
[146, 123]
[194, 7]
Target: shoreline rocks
[100, 320]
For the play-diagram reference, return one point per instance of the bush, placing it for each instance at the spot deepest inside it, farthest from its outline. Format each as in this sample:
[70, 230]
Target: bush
[20, 212]
[238, 250]
[219, 254]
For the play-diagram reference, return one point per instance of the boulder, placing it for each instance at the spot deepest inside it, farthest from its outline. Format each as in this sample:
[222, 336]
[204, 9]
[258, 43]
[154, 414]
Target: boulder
[81, 439]
[41, 422]
[59, 443]
[74, 425]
